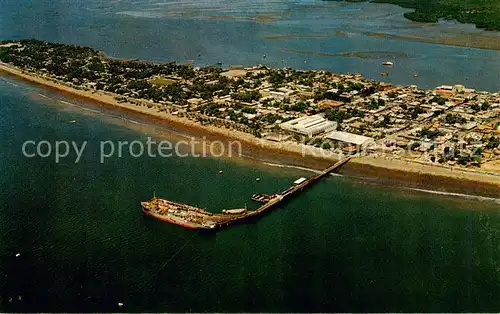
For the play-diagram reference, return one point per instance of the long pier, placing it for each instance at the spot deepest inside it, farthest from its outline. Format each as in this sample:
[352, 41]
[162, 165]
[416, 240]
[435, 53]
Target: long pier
[279, 198]
[198, 218]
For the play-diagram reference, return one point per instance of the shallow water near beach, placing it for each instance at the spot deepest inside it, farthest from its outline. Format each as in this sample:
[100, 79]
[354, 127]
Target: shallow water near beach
[343, 245]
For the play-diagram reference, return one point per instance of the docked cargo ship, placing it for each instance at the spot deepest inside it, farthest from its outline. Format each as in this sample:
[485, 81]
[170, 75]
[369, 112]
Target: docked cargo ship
[179, 214]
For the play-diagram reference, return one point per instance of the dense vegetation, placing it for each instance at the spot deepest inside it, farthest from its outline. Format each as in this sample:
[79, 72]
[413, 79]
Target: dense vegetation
[483, 13]
[164, 83]
[78, 65]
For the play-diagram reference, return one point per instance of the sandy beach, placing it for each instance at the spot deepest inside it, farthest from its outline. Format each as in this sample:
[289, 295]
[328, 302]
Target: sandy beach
[396, 171]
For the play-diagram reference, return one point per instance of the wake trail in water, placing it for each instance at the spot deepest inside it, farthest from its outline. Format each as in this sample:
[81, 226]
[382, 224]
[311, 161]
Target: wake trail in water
[293, 167]
[12, 84]
[172, 257]
[467, 196]
[44, 96]
[297, 167]
[85, 108]
[162, 129]
[135, 122]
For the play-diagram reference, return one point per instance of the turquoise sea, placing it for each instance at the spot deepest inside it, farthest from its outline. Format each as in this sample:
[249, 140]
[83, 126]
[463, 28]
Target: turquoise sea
[346, 244]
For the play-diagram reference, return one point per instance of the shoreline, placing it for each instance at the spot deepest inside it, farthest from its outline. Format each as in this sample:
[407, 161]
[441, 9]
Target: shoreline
[290, 153]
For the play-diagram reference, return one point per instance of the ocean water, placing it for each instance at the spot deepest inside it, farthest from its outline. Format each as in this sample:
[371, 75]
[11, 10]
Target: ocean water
[343, 245]
[276, 33]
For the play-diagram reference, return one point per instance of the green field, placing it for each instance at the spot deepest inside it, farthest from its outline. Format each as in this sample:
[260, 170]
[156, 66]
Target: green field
[483, 13]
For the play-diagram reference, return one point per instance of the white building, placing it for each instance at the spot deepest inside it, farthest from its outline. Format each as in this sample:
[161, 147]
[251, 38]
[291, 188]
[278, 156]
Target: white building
[445, 87]
[310, 125]
[277, 95]
[351, 139]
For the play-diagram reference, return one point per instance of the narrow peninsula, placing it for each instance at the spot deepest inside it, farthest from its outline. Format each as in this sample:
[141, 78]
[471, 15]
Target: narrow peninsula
[449, 131]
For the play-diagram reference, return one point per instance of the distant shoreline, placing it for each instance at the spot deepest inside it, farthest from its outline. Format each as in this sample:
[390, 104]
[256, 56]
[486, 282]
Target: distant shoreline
[474, 12]
[395, 171]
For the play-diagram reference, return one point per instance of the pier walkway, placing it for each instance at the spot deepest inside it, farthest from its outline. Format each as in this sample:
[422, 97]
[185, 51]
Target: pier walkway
[279, 198]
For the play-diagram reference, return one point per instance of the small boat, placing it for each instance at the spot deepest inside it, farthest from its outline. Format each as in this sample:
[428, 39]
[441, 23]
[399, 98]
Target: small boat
[258, 179]
[17, 255]
[72, 121]
[299, 181]
[263, 198]
[120, 304]
[415, 74]
[384, 73]
[234, 211]
[388, 63]
[221, 172]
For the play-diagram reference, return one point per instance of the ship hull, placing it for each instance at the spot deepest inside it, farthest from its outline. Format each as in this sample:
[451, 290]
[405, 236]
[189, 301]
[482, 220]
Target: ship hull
[172, 221]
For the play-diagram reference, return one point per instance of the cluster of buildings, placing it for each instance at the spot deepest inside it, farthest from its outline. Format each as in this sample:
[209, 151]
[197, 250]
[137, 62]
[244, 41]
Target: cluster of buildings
[345, 113]
[450, 125]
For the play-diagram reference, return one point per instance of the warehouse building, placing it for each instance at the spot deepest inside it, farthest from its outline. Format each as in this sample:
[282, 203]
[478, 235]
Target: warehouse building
[309, 126]
[350, 139]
